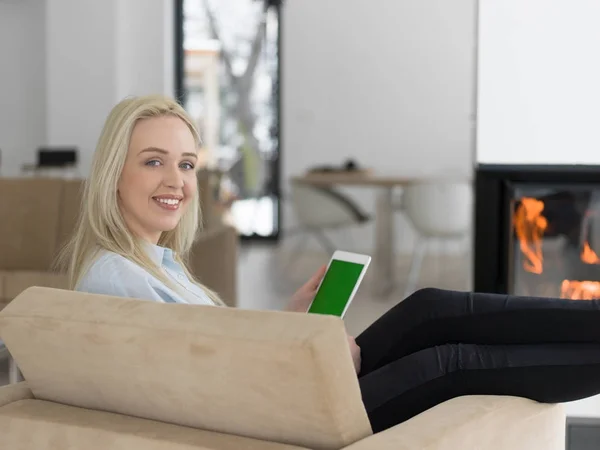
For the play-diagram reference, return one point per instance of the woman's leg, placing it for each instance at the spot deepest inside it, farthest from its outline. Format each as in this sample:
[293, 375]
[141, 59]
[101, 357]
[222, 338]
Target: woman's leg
[548, 373]
[431, 317]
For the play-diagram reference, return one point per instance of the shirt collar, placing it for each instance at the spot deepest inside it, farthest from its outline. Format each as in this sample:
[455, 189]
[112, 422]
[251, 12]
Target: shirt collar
[158, 254]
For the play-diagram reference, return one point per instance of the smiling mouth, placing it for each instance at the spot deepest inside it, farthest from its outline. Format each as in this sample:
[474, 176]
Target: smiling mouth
[170, 204]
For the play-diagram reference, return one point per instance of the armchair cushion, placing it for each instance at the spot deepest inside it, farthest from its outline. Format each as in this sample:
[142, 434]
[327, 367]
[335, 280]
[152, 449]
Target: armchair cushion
[40, 425]
[14, 392]
[477, 422]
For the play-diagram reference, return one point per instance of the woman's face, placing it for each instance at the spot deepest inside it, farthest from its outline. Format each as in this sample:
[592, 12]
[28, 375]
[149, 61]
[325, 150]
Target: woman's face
[159, 178]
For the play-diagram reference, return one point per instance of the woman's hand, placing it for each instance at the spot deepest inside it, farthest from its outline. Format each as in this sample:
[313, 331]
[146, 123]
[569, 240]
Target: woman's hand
[301, 301]
[303, 297]
[355, 352]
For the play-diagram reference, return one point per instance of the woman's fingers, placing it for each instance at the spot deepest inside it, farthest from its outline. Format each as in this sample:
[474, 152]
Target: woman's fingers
[317, 277]
[312, 284]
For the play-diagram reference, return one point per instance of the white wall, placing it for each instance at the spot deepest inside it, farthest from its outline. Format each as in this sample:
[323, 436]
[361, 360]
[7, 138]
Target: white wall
[145, 47]
[65, 63]
[22, 81]
[81, 72]
[539, 89]
[387, 82]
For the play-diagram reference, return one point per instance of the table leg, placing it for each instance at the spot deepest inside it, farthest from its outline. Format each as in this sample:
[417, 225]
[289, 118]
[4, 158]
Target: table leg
[383, 260]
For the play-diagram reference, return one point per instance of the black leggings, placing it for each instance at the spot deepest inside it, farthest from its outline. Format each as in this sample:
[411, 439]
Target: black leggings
[438, 344]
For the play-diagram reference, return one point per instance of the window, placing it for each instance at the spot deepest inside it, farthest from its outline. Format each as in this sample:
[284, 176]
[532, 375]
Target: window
[227, 75]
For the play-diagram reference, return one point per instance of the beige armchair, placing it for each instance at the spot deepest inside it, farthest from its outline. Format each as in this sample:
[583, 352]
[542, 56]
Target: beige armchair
[105, 372]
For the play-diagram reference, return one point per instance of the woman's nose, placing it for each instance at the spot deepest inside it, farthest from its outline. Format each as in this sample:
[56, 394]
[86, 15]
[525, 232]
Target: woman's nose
[174, 178]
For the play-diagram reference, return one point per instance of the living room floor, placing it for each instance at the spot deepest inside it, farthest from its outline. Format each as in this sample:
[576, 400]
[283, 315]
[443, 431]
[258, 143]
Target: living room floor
[268, 276]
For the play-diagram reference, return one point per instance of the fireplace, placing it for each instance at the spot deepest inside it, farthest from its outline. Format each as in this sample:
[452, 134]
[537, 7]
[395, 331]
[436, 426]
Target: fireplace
[537, 231]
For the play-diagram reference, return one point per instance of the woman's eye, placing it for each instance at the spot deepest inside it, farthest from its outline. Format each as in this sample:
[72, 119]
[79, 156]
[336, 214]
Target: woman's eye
[187, 166]
[154, 162]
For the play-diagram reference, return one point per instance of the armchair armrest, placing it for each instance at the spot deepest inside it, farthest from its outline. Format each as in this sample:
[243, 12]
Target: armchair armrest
[476, 422]
[13, 393]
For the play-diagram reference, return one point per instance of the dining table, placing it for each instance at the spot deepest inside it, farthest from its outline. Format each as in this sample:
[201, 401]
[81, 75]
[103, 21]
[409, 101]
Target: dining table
[384, 185]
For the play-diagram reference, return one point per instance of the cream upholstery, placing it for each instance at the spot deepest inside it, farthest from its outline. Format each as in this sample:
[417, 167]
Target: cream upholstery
[13, 393]
[17, 281]
[28, 240]
[111, 373]
[59, 427]
[477, 422]
[284, 377]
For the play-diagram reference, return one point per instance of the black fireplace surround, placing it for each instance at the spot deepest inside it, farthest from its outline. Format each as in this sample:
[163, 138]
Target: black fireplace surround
[494, 239]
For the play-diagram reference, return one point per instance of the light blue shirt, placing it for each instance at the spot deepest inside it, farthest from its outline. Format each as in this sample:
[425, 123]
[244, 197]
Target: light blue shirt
[115, 275]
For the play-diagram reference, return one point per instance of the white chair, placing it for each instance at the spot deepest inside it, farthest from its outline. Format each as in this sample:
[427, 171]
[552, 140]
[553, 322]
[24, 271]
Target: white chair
[319, 209]
[439, 211]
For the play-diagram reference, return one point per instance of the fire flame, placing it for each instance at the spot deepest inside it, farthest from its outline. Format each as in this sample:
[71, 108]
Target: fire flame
[580, 290]
[530, 225]
[588, 255]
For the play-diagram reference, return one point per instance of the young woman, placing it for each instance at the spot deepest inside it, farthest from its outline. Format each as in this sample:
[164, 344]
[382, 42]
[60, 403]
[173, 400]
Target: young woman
[139, 217]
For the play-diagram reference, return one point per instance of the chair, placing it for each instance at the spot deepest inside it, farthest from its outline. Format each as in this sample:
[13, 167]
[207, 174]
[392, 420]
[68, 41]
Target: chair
[438, 210]
[321, 208]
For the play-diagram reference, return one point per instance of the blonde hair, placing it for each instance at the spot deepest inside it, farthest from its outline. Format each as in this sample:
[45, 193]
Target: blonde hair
[101, 225]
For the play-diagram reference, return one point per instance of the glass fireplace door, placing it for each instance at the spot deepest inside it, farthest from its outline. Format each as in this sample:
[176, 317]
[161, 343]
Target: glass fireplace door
[555, 241]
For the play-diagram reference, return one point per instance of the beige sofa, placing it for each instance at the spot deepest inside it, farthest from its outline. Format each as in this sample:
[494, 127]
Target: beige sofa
[37, 215]
[111, 373]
